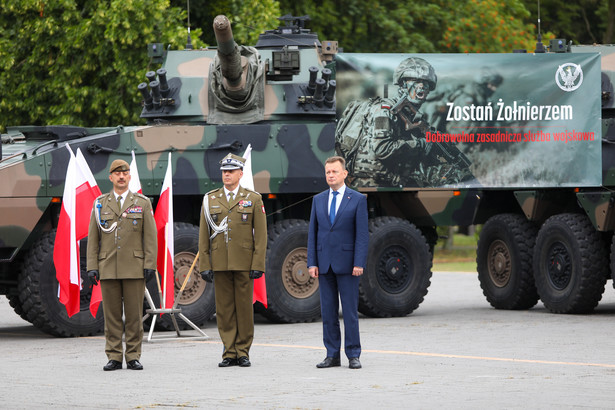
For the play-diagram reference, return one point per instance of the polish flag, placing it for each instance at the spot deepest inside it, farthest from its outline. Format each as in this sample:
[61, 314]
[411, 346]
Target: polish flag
[135, 183]
[247, 181]
[80, 191]
[85, 203]
[164, 226]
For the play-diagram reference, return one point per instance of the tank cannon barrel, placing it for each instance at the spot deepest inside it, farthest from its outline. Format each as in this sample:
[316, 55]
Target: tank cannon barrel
[228, 52]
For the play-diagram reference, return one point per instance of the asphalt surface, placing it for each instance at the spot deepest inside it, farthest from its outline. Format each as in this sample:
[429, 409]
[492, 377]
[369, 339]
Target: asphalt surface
[455, 351]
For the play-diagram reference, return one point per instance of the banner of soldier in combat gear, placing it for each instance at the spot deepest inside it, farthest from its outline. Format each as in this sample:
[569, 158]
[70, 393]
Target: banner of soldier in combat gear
[461, 120]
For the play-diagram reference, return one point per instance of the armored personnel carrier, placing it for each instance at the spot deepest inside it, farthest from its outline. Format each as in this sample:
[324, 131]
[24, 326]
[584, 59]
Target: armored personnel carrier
[529, 156]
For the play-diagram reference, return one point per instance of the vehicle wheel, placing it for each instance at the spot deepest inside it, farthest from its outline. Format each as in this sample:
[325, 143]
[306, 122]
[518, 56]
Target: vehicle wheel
[398, 270]
[16, 305]
[38, 293]
[292, 295]
[612, 259]
[570, 264]
[504, 262]
[197, 301]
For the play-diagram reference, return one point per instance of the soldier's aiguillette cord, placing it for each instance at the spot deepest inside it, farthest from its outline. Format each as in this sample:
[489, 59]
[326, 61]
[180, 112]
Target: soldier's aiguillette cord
[216, 228]
[105, 230]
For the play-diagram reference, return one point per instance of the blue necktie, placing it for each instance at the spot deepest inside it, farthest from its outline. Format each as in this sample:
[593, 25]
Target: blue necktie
[333, 206]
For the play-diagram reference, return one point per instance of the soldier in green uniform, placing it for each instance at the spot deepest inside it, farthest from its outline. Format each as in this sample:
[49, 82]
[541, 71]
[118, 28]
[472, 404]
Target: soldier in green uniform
[122, 255]
[233, 244]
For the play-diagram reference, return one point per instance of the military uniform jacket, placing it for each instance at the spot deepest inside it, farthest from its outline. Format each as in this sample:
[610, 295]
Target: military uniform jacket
[131, 246]
[246, 247]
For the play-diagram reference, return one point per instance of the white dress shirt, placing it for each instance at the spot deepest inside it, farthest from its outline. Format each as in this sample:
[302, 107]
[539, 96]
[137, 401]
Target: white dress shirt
[338, 199]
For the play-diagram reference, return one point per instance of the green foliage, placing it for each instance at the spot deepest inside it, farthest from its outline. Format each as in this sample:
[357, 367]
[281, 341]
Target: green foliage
[582, 21]
[487, 26]
[79, 62]
[252, 17]
[249, 17]
[383, 26]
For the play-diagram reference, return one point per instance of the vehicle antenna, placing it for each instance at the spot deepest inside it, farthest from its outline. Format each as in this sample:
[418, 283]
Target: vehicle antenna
[189, 42]
[540, 48]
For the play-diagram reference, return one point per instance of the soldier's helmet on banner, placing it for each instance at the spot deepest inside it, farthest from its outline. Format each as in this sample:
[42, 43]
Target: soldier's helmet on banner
[415, 68]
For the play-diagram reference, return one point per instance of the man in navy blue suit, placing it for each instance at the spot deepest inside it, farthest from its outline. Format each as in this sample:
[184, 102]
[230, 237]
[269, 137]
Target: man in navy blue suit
[337, 251]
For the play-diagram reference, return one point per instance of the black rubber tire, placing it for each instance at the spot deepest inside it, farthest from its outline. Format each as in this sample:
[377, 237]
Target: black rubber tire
[570, 264]
[612, 260]
[398, 271]
[292, 295]
[504, 262]
[38, 293]
[198, 301]
[16, 305]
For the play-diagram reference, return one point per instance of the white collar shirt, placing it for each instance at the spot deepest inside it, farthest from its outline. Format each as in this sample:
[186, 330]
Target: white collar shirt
[124, 195]
[234, 191]
[338, 199]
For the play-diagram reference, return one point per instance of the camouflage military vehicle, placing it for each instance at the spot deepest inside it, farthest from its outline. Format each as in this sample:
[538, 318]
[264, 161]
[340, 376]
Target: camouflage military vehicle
[532, 162]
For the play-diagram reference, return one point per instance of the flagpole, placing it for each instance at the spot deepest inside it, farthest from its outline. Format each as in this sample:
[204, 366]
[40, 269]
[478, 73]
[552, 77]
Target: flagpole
[164, 300]
[159, 287]
[196, 258]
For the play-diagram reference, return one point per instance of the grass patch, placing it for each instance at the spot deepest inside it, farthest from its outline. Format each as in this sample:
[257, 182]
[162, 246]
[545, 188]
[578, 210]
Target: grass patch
[461, 257]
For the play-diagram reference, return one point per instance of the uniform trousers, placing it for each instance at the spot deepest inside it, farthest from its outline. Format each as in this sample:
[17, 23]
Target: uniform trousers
[123, 297]
[234, 312]
[334, 287]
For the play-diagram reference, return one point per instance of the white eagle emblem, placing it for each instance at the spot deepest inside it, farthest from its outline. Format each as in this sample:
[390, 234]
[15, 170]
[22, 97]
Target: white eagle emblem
[569, 76]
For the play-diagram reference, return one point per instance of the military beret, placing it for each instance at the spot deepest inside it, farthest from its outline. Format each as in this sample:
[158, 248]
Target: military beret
[232, 162]
[119, 165]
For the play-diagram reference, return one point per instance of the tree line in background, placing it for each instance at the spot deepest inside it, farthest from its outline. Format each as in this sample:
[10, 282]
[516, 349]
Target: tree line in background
[79, 62]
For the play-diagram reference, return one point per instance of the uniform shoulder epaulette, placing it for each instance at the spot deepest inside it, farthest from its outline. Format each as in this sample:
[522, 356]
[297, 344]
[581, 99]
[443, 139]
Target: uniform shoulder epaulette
[102, 196]
[213, 190]
[141, 196]
[251, 190]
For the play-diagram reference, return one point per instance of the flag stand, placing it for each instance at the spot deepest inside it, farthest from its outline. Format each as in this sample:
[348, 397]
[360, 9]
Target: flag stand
[175, 310]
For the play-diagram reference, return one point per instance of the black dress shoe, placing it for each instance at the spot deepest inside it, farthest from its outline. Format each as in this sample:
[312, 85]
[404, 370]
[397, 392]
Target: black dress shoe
[354, 363]
[227, 362]
[244, 362]
[134, 365]
[112, 365]
[329, 362]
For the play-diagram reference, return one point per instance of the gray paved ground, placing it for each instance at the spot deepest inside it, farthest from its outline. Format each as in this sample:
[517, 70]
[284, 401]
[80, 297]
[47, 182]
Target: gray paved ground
[455, 351]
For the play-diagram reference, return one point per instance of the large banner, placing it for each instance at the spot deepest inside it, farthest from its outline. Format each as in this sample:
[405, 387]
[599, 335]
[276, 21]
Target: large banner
[461, 120]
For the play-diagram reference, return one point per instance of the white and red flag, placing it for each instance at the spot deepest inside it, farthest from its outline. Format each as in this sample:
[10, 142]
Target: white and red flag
[135, 183]
[80, 191]
[247, 181]
[164, 227]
